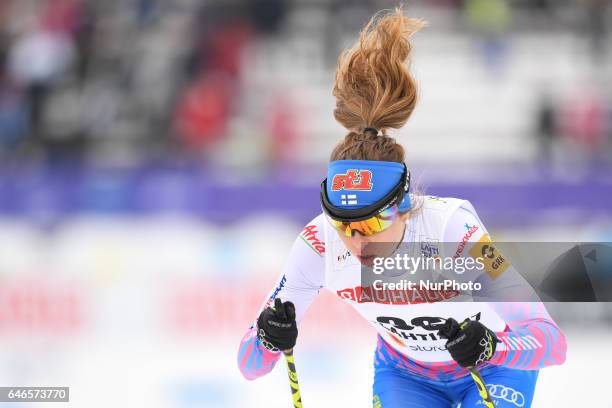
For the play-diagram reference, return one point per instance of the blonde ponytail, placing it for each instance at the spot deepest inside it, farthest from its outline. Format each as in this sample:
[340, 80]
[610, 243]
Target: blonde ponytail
[375, 89]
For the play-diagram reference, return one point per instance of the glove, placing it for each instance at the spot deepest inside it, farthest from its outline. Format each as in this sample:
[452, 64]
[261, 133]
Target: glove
[276, 327]
[470, 343]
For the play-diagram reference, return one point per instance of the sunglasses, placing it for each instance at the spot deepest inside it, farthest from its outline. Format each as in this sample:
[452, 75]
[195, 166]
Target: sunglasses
[368, 227]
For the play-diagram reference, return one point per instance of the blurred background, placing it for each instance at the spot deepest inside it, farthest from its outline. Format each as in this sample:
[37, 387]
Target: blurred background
[159, 157]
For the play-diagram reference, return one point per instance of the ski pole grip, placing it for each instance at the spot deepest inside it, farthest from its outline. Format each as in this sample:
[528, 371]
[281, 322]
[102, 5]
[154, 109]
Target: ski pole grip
[449, 329]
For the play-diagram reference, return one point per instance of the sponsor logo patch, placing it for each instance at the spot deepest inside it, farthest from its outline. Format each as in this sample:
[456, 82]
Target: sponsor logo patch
[359, 180]
[367, 294]
[418, 329]
[310, 237]
[429, 248]
[278, 288]
[436, 199]
[494, 262]
[506, 393]
[471, 230]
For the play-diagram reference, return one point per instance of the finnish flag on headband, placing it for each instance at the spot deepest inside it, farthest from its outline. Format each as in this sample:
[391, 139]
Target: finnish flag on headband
[348, 199]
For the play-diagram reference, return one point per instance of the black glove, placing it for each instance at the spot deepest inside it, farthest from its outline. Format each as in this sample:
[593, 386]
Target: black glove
[276, 326]
[470, 343]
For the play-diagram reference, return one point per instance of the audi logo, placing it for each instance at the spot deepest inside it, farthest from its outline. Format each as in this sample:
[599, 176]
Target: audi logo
[507, 394]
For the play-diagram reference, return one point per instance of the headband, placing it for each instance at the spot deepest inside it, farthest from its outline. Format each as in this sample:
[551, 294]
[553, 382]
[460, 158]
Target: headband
[355, 184]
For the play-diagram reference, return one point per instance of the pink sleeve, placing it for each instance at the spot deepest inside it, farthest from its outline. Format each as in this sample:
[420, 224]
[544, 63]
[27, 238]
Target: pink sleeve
[300, 282]
[534, 340]
[254, 360]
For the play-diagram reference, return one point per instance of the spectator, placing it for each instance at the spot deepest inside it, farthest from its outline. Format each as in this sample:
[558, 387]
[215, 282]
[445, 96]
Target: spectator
[491, 20]
[546, 127]
[596, 27]
[584, 126]
[36, 60]
[203, 111]
[13, 114]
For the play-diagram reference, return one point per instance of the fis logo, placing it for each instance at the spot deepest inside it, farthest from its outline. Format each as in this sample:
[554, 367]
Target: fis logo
[357, 180]
[343, 257]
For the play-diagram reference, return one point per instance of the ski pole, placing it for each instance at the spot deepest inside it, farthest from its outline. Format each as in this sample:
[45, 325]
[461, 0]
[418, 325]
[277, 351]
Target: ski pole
[450, 328]
[482, 387]
[293, 379]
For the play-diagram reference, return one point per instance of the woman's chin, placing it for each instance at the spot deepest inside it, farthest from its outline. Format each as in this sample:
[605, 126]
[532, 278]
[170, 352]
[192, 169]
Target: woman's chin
[367, 260]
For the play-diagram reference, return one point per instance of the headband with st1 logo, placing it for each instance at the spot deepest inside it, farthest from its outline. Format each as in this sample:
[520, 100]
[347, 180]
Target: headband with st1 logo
[359, 189]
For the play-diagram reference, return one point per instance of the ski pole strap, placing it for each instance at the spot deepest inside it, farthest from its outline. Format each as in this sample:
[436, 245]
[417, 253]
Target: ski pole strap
[482, 387]
[293, 379]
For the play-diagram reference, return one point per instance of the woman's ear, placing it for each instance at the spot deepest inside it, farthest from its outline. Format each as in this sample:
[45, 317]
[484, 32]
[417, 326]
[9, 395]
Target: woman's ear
[404, 216]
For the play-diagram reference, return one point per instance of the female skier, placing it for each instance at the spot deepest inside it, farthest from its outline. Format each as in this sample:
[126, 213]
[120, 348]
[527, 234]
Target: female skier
[365, 200]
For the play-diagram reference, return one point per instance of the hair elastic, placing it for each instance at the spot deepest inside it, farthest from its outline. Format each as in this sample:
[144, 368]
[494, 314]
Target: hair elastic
[370, 129]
